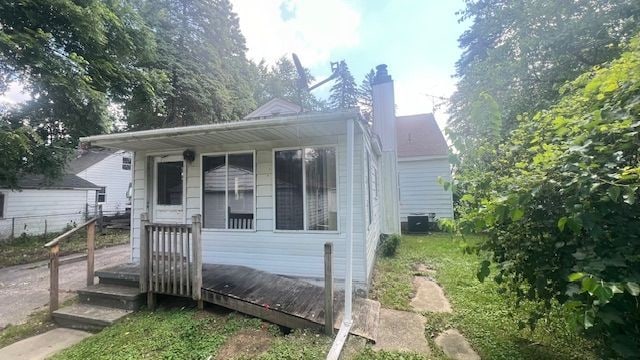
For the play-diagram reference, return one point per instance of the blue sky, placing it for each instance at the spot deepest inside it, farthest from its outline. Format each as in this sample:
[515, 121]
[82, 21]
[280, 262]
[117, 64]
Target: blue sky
[416, 39]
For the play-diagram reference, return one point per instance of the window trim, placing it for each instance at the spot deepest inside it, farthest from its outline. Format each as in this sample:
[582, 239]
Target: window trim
[226, 198]
[4, 205]
[158, 158]
[98, 192]
[304, 189]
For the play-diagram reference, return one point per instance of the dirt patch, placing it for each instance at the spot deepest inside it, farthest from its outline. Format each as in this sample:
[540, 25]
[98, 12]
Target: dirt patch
[246, 344]
[424, 270]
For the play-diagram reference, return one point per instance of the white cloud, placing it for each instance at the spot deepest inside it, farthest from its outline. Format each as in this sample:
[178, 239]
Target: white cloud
[413, 94]
[313, 29]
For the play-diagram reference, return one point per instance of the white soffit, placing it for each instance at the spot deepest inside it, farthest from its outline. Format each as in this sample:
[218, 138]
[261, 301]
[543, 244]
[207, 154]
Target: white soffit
[275, 107]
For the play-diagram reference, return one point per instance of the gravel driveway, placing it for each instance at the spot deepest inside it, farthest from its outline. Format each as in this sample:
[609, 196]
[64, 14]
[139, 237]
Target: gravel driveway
[25, 288]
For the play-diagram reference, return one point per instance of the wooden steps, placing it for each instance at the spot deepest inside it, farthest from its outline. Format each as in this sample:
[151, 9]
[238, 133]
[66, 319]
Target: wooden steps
[114, 297]
[88, 317]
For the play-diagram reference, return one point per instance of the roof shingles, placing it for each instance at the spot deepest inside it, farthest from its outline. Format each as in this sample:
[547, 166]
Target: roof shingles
[419, 135]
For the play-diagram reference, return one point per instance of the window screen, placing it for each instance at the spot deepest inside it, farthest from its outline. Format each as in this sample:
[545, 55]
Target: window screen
[289, 190]
[126, 163]
[170, 183]
[101, 195]
[320, 171]
[306, 189]
[228, 197]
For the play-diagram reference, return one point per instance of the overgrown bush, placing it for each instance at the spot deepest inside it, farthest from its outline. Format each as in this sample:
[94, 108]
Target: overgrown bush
[559, 205]
[389, 245]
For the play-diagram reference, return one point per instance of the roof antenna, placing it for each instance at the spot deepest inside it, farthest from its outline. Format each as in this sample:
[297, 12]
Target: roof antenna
[303, 81]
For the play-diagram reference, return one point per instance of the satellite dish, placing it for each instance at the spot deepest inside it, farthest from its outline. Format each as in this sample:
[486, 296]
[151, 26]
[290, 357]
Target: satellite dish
[303, 80]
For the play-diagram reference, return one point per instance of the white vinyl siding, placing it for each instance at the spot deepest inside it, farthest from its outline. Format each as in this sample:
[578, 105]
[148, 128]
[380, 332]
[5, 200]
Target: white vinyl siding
[373, 227]
[108, 173]
[30, 207]
[420, 191]
[296, 253]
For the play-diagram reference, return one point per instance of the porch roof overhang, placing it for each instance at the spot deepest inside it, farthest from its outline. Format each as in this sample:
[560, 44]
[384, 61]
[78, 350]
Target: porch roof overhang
[243, 131]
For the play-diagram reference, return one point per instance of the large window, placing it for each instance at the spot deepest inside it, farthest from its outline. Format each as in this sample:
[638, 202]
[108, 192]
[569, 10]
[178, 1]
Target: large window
[169, 184]
[305, 189]
[228, 191]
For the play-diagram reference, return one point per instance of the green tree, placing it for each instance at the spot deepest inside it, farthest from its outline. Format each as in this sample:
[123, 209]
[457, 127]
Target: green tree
[521, 52]
[201, 57]
[74, 58]
[344, 92]
[281, 80]
[365, 95]
[560, 206]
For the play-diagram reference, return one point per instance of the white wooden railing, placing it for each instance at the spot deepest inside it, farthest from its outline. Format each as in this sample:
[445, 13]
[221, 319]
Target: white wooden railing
[171, 259]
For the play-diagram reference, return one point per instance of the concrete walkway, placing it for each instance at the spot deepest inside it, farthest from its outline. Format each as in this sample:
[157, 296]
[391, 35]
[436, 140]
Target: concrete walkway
[25, 288]
[42, 346]
[404, 331]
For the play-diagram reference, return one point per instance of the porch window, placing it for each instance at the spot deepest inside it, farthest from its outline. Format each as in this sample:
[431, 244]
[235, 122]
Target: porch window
[228, 191]
[306, 188]
[170, 183]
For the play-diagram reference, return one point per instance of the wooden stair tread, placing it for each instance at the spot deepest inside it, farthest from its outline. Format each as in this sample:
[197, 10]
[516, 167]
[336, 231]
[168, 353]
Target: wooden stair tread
[112, 290]
[91, 314]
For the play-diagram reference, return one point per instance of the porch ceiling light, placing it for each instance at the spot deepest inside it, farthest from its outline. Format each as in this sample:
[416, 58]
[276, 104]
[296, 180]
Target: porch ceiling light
[189, 155]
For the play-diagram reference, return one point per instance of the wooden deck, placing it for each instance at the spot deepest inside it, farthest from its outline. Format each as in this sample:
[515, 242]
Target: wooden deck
[279, 299]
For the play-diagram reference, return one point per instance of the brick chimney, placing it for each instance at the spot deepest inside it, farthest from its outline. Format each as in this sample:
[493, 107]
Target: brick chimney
[384, 125]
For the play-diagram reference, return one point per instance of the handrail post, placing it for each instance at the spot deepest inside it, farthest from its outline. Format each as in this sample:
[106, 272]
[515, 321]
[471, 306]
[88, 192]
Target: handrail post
[91, 243]
[53, 277]
[145, 260]
[100, 219]
[196, 236]
[328, 288]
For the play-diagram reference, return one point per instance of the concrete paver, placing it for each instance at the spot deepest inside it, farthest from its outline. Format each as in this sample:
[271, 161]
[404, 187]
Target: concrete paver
[25, 288]
[455, 346]
[401, 331]
[429, 296]
[44, 345]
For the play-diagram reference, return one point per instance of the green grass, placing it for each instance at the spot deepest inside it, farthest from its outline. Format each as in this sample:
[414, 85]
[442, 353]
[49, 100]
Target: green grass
[36, 323]
[189, 334]
[481, 313]
[27, 249]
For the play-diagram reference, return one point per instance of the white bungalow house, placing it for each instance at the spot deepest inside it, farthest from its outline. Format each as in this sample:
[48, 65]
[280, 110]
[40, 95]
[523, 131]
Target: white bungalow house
[274, 188]
[40, 206]
[110, 169]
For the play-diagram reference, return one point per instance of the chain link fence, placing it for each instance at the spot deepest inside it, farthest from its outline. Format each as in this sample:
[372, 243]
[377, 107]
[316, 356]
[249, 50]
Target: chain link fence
[16, 226]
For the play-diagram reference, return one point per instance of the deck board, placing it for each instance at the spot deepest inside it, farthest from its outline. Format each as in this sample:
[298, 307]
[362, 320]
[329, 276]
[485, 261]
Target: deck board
[282, 300]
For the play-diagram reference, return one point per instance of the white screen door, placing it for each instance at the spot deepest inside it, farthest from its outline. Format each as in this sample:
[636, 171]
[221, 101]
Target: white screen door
[169, 189]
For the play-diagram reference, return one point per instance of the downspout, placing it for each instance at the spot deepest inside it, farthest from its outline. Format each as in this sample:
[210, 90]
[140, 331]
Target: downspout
[347, 321]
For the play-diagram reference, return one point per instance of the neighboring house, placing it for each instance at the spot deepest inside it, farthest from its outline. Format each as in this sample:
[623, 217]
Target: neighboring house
[422, 159]
[111, 171]
[298, 180]
[40, 207]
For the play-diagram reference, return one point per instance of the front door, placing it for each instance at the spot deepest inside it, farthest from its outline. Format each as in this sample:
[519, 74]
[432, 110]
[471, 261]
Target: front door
[169, 190]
